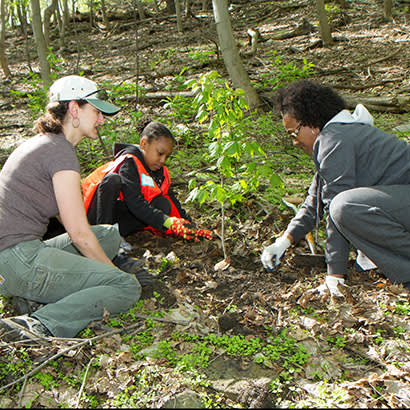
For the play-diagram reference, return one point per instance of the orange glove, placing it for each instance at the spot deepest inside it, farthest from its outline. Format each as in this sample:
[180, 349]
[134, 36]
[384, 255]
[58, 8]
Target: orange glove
[204, 233]
[178, 227]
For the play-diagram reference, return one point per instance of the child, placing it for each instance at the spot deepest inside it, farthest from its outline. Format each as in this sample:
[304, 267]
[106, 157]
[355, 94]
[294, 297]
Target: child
[134, 190]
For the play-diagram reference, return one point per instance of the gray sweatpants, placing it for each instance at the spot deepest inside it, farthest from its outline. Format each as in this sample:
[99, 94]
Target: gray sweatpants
[376, 220]
[75, 289]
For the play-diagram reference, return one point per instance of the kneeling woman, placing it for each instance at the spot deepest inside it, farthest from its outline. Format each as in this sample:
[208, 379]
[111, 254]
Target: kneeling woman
[73, 273]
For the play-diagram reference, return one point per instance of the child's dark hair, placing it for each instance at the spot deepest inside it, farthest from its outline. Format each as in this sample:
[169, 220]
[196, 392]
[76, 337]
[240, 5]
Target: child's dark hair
[53, 120]
[153, 130]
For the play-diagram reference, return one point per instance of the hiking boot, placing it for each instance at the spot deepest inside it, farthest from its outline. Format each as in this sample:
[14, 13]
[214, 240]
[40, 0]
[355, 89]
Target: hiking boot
[135, 267]
[25, 306]
[20, 328]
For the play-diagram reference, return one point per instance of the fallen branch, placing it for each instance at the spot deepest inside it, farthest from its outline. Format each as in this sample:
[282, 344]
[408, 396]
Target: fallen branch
[300, 30]
[88, 341]
[379, 60]
[370, 85]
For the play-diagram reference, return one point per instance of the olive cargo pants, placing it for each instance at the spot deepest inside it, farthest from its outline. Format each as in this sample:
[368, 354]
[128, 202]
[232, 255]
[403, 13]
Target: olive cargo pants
[75, 289]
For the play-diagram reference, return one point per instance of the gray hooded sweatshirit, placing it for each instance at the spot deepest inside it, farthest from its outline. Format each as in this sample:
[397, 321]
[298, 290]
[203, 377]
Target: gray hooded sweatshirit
[362, 183]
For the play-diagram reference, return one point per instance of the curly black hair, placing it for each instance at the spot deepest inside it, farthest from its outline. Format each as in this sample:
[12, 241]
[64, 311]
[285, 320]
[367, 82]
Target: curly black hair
[309, 102]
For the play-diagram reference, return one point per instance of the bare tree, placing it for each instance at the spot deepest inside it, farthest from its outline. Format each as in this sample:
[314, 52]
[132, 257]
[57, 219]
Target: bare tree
[105, 15]
[48, 12]
[3, 57]
[170, 7]
[179, 16]
[387, 5]
[323, 24]
[188, 5]
[230, 53]
[141, 10]
[91, 7]
[40, 42]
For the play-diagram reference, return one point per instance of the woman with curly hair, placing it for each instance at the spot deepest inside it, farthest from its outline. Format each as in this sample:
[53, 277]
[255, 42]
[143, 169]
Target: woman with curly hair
[362, 183]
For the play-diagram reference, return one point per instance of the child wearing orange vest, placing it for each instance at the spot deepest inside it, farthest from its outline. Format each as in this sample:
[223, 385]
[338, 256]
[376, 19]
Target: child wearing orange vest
[134, 190]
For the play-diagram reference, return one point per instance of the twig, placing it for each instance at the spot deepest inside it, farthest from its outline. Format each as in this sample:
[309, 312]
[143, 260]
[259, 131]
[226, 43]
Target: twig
[89, 341]
[378, 60]
[62, 352]
[80, 393]
[23, 389]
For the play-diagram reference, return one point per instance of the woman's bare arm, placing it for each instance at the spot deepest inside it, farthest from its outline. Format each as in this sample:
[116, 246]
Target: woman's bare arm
[67, 188]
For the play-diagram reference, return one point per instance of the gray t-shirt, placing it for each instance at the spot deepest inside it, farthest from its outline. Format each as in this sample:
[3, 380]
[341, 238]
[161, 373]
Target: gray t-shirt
[27, 198]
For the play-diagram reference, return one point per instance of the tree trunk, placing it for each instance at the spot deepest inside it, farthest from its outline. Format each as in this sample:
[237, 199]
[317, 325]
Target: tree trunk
[3, 57]
[22, 16]
[188, 5]
[48, 12]
[91, 6]
[66, 13]
[170, 7]
[40, 42]
[179, 17]
[230, 54]
[206, 5]
[387, 10]
[141, 11]
[105, 16]
[323, 24]
[156, 8]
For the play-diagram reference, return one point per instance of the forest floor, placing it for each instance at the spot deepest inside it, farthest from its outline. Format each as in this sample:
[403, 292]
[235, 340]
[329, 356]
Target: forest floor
[351, 352]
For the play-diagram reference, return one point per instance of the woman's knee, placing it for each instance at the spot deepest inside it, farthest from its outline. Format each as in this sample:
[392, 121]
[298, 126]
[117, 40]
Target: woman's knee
[130, 289]
[108, 237]
[341, 210]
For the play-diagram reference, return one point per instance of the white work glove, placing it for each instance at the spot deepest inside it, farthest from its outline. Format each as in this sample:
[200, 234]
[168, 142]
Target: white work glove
[330, 285]
[272, 254]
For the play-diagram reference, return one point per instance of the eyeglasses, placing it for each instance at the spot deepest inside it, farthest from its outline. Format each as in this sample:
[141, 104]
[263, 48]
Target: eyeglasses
[98, 94]
[295, 133]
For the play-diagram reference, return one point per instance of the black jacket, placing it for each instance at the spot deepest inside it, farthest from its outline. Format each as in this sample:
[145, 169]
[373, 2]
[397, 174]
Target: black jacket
[131, 188]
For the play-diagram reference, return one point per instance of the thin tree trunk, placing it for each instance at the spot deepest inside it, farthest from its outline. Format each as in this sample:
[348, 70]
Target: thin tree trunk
[40, 42]
[22, 16]
[179, 17]
[156, 8]
[188, 5]
[48, 12]
[387, 5]
[105, 16]
[91, 6]
[230, 53]
[323, 24]
[141, 11]
[66, 13]
[3, 57]
[170, 7]
[59, 15]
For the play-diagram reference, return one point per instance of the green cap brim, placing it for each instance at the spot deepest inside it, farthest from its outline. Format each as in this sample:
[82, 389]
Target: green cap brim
[104, 106]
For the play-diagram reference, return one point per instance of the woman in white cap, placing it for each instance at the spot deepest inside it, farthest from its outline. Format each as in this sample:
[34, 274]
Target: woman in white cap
[72, 274]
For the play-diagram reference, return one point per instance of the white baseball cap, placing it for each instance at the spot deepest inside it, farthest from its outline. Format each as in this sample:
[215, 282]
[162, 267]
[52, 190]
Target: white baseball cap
[74, 87]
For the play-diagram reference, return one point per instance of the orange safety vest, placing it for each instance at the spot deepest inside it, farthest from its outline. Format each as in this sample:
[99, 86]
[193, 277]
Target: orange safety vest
[149, 187]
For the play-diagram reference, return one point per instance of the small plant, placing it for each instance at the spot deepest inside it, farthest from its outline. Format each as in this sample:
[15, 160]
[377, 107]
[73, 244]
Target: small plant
[238, 162]
[402, 308]
[281, 74]
[202, 56]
